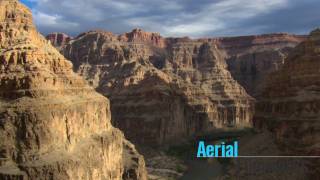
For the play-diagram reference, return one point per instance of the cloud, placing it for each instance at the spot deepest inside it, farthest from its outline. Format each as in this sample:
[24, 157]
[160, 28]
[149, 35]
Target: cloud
[176, 17]
[51, 20]
[221, 15]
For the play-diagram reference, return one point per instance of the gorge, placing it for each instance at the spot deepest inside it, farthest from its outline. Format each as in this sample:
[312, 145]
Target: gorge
[63, 98]
[166, 90]
[177, 87]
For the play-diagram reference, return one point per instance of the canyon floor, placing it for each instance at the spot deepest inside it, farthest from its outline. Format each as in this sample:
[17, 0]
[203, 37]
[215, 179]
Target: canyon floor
[180, 162]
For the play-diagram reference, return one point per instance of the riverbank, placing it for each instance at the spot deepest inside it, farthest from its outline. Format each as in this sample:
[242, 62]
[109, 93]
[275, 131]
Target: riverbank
[180, 162]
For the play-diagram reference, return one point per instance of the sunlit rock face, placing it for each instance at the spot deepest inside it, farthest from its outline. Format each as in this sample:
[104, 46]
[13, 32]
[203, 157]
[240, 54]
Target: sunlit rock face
[289, 105]
[53, 125]
[161, 90]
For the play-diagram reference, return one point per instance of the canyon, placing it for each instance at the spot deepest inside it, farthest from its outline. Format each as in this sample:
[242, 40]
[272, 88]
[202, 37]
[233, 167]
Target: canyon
[289, 103]
[62, 99]
[250, 59]
[161, 92]
[53, 125]
[164, 89]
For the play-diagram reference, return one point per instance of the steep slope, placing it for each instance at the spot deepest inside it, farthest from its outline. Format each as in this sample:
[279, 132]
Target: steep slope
[249, 58]
[152, 101]
[52, 124]
[252, 58]
[58, 40]
[289, 104]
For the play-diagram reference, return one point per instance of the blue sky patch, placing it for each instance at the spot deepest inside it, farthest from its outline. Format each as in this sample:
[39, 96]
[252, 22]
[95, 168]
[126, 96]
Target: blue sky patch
[28, 3]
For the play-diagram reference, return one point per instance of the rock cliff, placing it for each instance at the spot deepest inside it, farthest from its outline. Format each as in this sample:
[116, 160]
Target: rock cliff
[161, 90]
[52, 124]
[58, 40]
[139, 36]
[289, 105]
[252, 58]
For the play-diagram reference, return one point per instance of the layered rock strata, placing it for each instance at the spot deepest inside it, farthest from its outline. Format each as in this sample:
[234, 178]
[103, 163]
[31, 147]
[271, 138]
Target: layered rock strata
[289, 105]
[161, 90]
[249, 58]
[58, 40]
[252, 58]
[53, 125]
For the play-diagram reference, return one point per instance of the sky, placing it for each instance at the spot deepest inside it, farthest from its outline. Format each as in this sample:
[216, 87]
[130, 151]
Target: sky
[177, 18]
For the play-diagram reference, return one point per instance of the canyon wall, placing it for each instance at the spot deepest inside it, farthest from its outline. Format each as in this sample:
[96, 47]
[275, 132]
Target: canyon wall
[252, 58]
[176, 87]
[53, 125]
[161, 90]
[289, 105]
[58, 40]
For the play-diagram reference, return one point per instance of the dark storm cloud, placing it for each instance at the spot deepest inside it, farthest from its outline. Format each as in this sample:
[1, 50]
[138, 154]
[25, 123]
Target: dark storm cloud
[177, 17]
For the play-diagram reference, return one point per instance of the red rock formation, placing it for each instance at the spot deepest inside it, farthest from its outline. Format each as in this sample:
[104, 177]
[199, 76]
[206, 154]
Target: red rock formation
[249, 58]
[58, 39]
[139, 36]
[163, 104]
[130, 63]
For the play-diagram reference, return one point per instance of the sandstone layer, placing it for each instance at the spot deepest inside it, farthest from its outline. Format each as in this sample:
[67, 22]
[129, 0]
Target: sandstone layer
[53, 125]
[161, 90]
[289, 105]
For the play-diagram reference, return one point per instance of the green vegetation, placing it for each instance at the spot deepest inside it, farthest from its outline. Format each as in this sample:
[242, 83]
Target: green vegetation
[183, 151]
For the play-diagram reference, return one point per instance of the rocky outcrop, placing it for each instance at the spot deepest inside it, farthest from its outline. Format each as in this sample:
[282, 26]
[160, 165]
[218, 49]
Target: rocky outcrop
[252, 58]
[139, 36]
[52, 124]
[289, 105]
[161, 90]
[58, 40]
